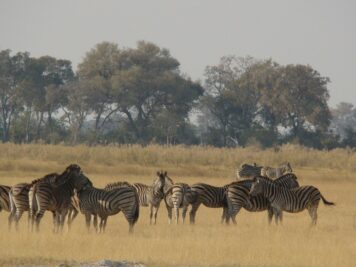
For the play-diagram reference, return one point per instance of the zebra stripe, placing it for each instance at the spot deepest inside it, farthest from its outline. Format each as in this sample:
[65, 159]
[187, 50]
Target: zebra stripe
[57, 196]
[210, 196]
[4, 198]
[105, 203]
[274, 173]
[178, 196]
[238, 196]
[247, 171]
[290, 200]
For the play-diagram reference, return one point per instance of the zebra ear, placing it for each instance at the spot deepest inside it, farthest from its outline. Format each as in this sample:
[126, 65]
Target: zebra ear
[158, 174]
[165, 173]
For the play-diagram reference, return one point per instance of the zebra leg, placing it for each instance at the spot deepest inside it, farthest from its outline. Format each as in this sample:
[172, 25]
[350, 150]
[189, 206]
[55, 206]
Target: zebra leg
[95, 223]
[71, 216]
[38, 218]
[193, 212]
[312, 209]
[104, 224]
[169, 210]
[184, 213]
[11, 218]
[235, 211]
[17, 218]
[225, 216]
[155, 211]
[87, 220]
[176, 212]
[270, 215]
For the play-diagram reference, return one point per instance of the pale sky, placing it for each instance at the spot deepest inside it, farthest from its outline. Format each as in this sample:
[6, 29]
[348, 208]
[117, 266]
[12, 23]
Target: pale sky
[197, 32]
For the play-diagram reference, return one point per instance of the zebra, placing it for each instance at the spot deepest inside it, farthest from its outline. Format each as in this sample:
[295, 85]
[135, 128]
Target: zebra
[178, 196]
[238, 196]
[151, 196]
[210, 196]
[107, 202]
[247, 171]
[4, 198]
[274, 173]
[18, 198]
[289, 200]
[57, 196]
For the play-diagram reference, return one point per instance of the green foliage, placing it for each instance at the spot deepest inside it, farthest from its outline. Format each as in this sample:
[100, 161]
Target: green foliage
[139, 95]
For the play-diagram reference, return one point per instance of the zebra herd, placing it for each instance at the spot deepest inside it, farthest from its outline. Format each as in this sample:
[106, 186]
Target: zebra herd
[257, 189]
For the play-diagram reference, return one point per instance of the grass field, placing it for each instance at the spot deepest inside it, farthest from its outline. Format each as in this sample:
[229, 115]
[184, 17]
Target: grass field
[208, 243]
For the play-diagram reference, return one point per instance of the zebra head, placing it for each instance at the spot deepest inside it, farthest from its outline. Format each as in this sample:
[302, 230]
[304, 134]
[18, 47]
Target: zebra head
[257, 186]
[289, 167]
[159, 183]
[74, 175]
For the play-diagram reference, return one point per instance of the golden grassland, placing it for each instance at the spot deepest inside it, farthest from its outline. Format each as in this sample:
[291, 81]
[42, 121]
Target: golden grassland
[208, 243]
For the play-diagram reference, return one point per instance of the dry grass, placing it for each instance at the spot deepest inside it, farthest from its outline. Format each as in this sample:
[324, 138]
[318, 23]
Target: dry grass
[251, 243]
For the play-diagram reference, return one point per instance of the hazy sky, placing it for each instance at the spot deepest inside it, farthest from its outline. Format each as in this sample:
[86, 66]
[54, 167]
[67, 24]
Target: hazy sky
[319, 33]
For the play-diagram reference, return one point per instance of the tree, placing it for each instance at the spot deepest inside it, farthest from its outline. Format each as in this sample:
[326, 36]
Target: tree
[148, 85]
[230, 98]
[96, 72]
[12, 72]
[298, 99]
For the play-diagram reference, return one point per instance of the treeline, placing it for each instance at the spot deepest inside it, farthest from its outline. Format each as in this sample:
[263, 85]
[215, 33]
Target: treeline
[139, 95]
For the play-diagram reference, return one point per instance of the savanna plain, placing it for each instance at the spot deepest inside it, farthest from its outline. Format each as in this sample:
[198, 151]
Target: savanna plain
[252, 242]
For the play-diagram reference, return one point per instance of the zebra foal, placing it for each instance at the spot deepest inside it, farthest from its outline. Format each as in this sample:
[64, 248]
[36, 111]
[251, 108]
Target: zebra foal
[289, 200]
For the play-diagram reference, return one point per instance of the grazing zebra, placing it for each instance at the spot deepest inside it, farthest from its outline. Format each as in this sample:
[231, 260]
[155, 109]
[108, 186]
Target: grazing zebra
[289, 200]
[210, 196]
[57, 196]
[107, 202]
[178, 196]
[4, 198]
[247, 171]
[238, 196]
[274, 173]
[151, 196]
[18, 198]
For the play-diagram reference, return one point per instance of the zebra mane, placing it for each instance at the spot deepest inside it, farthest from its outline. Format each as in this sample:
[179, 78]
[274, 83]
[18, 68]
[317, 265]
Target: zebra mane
[116, 185]
[46, 178]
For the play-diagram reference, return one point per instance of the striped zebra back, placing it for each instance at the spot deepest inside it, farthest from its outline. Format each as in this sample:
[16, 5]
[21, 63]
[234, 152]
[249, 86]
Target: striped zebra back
[247, 171]
[4, 198]
[210, 196]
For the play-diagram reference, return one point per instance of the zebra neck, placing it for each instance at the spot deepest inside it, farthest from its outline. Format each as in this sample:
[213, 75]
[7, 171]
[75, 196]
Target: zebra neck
[270, 191]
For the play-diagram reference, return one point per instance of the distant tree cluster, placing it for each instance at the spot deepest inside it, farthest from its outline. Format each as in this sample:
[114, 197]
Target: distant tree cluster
[138, 95]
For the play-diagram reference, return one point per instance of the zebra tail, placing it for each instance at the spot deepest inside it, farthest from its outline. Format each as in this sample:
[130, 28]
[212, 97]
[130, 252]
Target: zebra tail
[12, 204]
[325, 201]
[137, 208]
